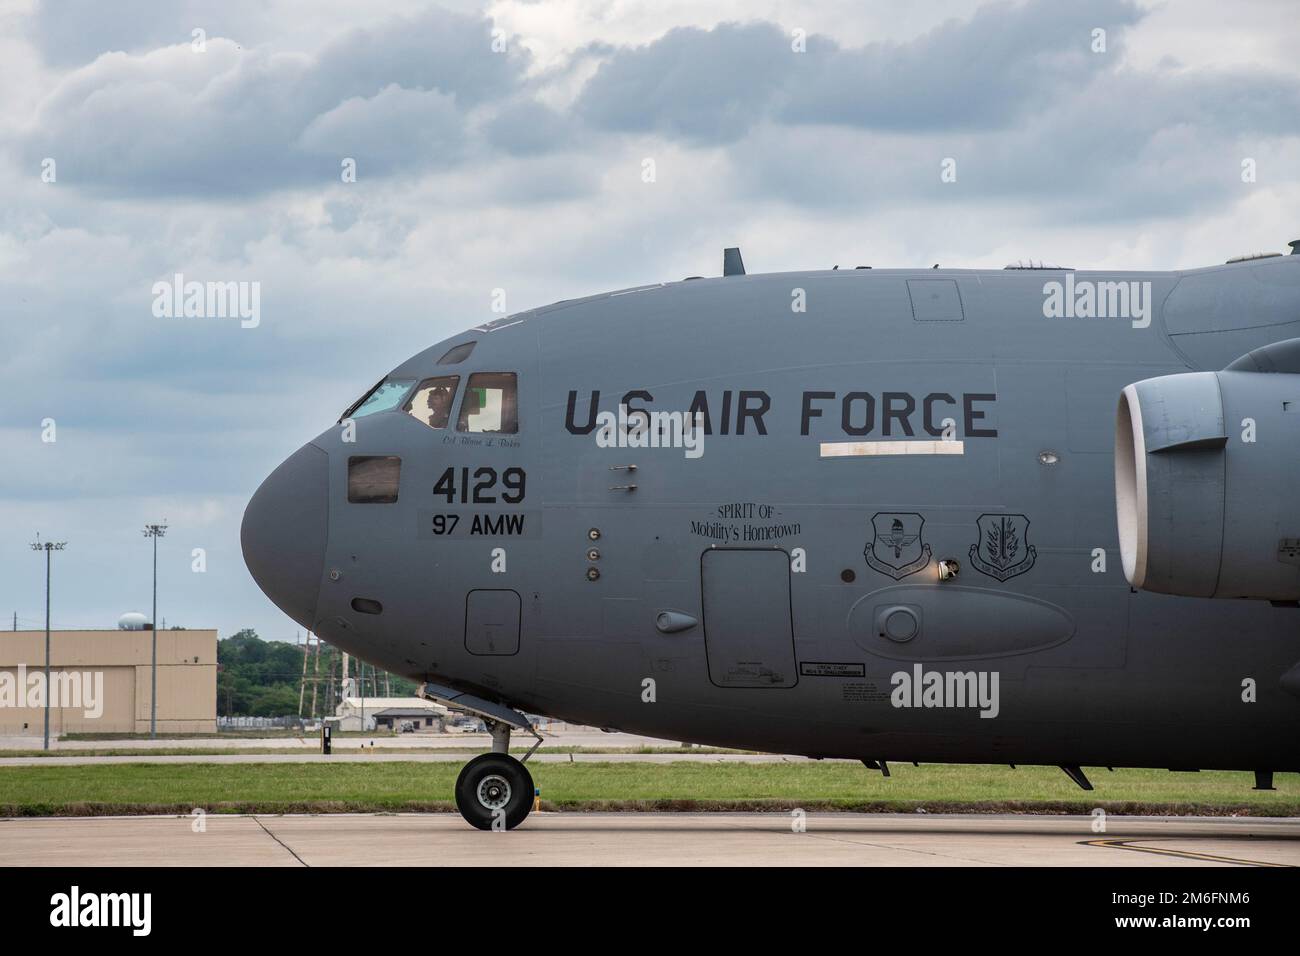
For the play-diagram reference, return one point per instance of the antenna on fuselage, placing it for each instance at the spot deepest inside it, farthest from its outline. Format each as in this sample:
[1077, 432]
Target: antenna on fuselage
[732, 264]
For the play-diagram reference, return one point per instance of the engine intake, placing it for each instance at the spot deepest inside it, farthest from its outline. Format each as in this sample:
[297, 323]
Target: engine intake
[1205, 483]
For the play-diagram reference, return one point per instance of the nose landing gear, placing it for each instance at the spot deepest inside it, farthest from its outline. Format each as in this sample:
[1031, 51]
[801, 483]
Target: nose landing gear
[494, 792]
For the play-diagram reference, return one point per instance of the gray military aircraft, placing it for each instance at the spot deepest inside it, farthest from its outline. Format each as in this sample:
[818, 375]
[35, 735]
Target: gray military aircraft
[856, 513]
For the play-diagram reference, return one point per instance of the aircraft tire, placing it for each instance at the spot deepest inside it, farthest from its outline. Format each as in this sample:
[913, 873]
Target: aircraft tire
[494, 787]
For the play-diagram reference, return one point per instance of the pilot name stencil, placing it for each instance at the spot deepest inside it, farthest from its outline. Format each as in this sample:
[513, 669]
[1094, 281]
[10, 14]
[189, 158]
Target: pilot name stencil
[896, 547]
[1003, 550]
[483, 441]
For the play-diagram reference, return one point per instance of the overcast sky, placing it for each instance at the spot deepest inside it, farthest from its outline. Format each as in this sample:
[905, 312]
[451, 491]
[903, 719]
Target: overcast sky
[501, 145]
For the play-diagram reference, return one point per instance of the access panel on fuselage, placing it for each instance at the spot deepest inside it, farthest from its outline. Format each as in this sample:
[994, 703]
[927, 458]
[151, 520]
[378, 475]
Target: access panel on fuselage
[492, 623]
[748, 633]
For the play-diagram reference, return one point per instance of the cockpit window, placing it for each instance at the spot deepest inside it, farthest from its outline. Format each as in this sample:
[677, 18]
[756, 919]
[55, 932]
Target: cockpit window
[430, 403]
[490, 404]
[387, 394]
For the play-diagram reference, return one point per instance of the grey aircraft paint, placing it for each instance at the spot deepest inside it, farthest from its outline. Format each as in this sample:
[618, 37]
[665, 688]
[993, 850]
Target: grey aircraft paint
[783, 590]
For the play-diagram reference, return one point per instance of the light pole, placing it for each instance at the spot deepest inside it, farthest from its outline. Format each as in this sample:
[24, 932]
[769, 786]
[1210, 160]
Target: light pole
[49, 547]
[154, 531]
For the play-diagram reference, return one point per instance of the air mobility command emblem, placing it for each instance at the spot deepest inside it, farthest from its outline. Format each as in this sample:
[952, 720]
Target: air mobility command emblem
[1003, 550]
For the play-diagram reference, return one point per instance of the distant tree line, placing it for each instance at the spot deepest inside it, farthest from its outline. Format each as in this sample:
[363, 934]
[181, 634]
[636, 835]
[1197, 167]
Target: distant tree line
[257, 678]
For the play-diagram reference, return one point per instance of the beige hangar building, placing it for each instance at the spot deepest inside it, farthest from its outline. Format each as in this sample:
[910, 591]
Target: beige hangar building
[101, 682]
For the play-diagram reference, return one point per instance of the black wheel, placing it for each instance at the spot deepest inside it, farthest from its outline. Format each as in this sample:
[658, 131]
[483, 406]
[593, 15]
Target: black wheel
[494, 791]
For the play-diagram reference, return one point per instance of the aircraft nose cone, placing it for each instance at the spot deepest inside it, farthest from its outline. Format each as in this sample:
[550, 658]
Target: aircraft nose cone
[284, 532]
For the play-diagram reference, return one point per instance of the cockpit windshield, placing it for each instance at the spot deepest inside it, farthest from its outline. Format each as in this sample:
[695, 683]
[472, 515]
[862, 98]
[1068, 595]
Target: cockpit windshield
[384, 396]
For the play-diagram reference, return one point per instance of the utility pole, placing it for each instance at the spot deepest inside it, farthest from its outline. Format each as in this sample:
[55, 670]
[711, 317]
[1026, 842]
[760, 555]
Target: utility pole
[49, 547]
[331, 701]
[154, 531]
[343, 683]
[302, 684]
[315, 674]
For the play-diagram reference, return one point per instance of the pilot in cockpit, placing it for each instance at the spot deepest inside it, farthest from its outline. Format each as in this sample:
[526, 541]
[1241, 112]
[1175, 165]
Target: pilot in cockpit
[439, 403]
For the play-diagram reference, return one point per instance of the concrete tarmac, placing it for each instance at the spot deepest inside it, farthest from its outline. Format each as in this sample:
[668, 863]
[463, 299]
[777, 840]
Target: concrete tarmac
[651, 839]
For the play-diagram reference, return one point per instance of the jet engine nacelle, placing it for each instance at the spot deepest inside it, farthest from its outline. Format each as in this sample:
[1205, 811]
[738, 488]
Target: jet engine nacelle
[1206, 491]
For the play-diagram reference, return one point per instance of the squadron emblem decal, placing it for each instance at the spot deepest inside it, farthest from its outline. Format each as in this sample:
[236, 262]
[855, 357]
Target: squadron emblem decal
[896, 546]
[1003, 550]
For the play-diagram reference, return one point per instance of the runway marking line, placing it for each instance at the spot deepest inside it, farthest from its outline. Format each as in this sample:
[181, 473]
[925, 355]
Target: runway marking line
[1184, 854]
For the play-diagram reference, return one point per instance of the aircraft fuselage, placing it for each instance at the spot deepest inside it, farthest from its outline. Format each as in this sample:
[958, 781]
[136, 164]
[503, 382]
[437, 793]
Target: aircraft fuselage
[761, 568]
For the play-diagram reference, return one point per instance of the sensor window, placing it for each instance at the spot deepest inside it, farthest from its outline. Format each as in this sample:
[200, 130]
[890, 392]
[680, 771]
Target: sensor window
[373, 479]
